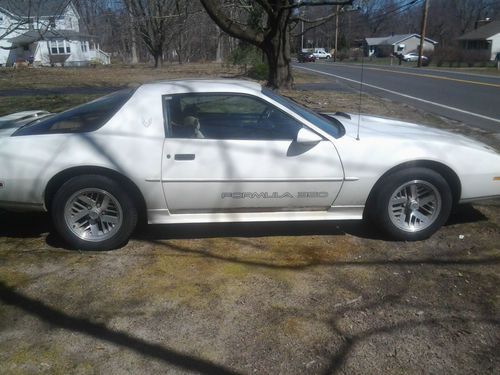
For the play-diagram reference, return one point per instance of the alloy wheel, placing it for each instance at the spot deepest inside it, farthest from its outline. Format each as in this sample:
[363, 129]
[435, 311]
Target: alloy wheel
[93, 214]
[414, 206]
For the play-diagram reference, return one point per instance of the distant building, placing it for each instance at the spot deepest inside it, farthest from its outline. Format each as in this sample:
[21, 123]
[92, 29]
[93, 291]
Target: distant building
[396, 44]
[45, 33]
[484, 39]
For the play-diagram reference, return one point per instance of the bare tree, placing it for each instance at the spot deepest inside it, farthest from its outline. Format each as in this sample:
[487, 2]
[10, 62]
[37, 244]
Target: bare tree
[268, 28]
[25, 14]
[157, 22]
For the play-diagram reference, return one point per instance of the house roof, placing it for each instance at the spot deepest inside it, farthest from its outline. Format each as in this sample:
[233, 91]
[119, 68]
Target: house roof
[394, 39]
[36, 35]
[35, 8]
[375, 41]
[483, 32]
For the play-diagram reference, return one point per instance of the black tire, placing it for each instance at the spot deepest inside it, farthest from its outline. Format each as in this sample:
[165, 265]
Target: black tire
[387, 219]
[117, 236]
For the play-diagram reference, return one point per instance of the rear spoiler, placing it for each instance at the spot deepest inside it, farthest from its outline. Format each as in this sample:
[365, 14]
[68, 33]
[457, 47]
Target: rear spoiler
[10, 123]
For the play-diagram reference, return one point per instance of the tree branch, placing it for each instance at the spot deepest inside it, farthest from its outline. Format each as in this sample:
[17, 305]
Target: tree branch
[303, 3]
[229, 26]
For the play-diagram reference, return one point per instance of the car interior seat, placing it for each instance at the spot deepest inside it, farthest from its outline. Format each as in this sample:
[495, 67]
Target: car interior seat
[192, 125]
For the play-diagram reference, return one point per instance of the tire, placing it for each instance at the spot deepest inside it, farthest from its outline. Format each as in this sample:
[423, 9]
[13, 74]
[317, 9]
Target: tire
[92, 212]
[411, 204]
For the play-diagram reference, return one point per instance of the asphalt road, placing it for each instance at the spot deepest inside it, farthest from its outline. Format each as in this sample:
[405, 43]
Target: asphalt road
[470, 98]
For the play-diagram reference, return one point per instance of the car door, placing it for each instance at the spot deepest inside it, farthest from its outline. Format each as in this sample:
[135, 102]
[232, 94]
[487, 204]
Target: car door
[238, 153]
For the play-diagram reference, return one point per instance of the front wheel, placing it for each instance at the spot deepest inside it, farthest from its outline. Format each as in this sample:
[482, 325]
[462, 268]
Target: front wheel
[412, 204]
[93, 212]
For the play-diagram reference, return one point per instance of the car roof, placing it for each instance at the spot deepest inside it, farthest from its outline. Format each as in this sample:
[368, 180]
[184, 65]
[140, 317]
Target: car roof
[181, 86]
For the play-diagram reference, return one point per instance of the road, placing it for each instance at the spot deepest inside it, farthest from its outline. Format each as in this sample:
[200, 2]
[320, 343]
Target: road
[470, 98]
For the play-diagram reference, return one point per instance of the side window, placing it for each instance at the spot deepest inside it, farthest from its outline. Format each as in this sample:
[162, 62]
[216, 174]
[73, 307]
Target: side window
[227, 116]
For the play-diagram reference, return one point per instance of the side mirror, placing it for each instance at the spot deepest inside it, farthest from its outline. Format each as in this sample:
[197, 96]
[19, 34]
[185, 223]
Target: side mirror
[306, 136]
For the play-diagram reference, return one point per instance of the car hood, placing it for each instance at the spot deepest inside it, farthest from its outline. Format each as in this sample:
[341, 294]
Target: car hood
[374, 127]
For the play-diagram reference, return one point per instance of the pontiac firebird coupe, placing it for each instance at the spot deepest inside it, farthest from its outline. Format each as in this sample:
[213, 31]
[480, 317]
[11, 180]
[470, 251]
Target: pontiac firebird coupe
[198, 151]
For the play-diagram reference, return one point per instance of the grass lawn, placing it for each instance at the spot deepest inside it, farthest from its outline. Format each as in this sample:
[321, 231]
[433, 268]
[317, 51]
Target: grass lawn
[99, 77]
[51, 103]
[114, 75]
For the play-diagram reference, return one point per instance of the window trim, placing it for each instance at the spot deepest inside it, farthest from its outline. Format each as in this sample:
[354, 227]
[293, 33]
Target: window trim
[166, 115]
[57, 44]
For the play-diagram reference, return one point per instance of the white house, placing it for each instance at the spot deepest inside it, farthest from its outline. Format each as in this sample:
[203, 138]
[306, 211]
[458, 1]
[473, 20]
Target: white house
[484, 39]
[46, 33]
[396, 44]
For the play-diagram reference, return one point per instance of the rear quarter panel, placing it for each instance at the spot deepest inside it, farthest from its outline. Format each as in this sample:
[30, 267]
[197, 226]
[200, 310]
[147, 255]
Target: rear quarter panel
[130, 143]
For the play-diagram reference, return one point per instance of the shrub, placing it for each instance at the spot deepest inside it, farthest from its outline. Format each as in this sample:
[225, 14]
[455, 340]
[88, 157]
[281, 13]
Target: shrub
[455, 56]
[259, 71]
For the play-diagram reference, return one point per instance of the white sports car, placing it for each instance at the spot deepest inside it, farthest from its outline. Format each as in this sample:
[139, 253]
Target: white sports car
[198, 151]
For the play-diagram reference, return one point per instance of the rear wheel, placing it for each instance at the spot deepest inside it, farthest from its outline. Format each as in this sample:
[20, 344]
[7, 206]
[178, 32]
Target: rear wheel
[412, 204]
[93, 213]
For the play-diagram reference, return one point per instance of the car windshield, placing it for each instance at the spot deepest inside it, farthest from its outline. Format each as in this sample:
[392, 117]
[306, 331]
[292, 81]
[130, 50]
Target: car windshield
[328, 124]
[84, 118]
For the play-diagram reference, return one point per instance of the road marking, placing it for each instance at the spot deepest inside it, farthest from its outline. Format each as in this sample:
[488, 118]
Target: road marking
[404, 95]
[397, 68]
[436, 77]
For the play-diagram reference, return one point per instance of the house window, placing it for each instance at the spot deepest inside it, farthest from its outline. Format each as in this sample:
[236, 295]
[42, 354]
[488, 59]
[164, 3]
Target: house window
[53, 47]
[52, 22]
[84, 47]
[59, 47]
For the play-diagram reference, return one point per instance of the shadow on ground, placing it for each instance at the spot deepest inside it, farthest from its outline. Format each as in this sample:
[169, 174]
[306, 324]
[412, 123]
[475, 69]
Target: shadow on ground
[31, 225]
[303, 304]
[59, 319]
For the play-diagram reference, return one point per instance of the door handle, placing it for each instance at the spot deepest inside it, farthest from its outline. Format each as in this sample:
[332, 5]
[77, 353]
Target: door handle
[184, 157]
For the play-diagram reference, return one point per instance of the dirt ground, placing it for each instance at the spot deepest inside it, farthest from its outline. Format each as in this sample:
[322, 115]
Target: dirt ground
[261, 298]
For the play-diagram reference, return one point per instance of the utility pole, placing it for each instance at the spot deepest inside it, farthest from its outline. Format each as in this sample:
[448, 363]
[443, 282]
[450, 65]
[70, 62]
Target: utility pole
[302, 37]
[422, 33]
[336, 33]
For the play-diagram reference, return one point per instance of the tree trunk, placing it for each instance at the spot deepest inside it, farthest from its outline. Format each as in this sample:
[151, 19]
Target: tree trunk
[133, 41]
[219, 55]
[133, 48]
[158, 57]
[277, 50]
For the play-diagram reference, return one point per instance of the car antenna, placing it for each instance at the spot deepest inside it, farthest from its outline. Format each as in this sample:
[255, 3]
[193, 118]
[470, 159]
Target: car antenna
[360, 92]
